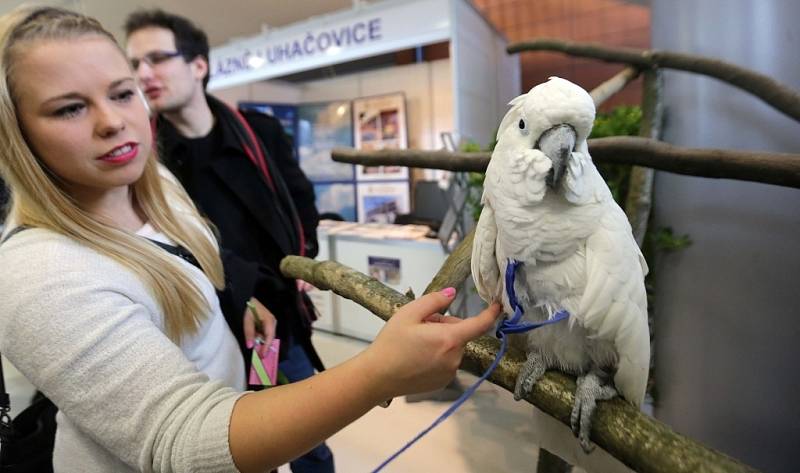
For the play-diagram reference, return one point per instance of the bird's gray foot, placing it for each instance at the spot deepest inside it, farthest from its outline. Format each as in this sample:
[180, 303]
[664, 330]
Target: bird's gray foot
[592, 387]
[533, 369]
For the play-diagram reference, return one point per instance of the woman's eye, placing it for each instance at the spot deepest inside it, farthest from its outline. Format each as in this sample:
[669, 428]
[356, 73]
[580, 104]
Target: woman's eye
[69, 110]
[123, 96]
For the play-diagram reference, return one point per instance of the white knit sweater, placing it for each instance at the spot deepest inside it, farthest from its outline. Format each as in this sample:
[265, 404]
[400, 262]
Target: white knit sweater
[86, 332]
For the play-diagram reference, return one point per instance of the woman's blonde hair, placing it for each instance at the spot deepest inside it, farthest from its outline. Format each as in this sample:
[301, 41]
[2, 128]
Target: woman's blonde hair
[39, 200]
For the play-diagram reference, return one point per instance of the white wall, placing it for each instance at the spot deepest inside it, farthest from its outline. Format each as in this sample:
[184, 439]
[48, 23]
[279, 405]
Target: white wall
[269, 91]
[486, 78]
[427, 87]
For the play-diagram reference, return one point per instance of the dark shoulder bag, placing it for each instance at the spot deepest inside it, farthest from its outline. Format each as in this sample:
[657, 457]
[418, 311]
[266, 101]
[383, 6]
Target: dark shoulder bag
[27, 441]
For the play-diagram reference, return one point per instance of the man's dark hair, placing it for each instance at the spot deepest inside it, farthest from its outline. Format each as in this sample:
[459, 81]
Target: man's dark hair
[190, 40]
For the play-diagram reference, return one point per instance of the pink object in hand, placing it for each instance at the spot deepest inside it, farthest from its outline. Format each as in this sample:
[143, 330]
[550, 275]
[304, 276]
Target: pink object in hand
[264, 369]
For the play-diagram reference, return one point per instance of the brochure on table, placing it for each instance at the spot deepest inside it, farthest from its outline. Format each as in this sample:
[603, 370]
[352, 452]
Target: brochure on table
[400, 256]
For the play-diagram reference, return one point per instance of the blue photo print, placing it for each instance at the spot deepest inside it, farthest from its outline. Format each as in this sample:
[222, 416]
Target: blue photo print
[336, 199]
[322, 127]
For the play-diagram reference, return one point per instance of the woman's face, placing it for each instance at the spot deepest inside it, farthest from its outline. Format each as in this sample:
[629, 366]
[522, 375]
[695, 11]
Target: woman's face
[81, 114]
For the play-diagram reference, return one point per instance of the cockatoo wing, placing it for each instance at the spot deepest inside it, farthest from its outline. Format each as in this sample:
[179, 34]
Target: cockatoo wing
[485, 271]
[614, 304]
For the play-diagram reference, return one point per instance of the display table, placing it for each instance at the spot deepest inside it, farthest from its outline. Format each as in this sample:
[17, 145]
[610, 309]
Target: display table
[400, 256]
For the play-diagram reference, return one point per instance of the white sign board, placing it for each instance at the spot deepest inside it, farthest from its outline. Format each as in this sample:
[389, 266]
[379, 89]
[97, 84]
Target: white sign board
[347, 36]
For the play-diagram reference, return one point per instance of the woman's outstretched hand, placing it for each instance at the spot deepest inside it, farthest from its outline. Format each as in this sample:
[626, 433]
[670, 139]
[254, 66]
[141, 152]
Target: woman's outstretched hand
[419, 349]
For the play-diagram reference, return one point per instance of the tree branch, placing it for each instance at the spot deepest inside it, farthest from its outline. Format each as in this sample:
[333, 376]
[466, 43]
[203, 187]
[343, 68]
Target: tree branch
[635, 439]
[456, 267]
[604, 91]
[639, 200]
[414, 158]
[767, 89]
[782, 169]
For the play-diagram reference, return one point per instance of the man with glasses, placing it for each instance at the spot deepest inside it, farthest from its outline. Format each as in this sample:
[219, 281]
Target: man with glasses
[240, 170]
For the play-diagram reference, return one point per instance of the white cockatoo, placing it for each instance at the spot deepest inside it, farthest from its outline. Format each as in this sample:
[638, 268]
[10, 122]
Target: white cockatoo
[546, 205]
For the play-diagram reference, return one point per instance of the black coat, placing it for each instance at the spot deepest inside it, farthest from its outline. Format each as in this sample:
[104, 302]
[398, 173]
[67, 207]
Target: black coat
[255, 227]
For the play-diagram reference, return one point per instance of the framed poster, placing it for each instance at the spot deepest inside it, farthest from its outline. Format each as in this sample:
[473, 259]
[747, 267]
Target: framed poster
[320, 128]
[285, 113]
[380, 123]
[336, 198]
[381, 202]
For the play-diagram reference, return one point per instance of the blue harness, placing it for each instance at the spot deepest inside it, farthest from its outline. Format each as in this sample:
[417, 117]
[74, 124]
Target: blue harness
[506, 327]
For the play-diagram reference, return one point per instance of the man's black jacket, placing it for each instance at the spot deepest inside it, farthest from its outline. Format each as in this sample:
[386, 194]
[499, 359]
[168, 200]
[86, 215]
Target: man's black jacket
[233, 194]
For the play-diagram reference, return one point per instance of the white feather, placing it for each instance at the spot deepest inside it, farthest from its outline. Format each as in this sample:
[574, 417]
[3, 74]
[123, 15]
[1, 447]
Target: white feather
[576, 245]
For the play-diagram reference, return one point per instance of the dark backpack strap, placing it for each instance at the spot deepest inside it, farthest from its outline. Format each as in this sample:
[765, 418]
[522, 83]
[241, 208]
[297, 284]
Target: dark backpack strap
[13, 232]
[6, 426]
[258, 154]
[5, 400]
[178, 251]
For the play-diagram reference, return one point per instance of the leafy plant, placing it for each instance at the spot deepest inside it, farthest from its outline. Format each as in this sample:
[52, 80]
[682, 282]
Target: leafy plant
[665, 240]
[622, 121]
[475, 179]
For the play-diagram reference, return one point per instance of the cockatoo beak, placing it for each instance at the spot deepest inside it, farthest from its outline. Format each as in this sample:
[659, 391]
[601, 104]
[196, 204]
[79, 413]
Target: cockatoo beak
[557, 143]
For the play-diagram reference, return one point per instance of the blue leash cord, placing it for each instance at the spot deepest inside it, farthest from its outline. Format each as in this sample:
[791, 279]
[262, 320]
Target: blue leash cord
[506, 327]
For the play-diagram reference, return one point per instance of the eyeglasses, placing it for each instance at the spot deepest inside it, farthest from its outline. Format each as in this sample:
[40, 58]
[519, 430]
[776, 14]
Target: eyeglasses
[154, 58]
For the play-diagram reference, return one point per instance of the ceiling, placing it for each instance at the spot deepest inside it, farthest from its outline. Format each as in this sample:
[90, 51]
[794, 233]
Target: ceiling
[221, 20]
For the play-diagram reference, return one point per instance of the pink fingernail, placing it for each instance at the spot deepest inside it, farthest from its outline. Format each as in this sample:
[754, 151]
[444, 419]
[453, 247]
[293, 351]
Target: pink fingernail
[249, 344]
[449, 291]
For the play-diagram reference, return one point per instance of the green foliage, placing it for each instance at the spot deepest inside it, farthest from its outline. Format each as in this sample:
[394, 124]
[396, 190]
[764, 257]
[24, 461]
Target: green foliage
[475, 179]
[622, 121]
[475, 186]
[470, 146]
[664, 240]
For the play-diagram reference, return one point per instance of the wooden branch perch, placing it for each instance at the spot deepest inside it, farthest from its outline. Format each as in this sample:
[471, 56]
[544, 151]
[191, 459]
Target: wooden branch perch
[764, 87]
[446, 160]
[456, 267]
[782, 169]
[639, 441]
[604, 91]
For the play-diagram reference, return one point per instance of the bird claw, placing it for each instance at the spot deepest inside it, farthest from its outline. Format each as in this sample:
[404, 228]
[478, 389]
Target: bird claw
[531, 371]
[524, 387]
[590, 390]
[581, 410]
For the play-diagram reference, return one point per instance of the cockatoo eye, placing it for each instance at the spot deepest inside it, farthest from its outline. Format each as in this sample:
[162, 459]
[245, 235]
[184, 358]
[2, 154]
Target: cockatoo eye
[523, 126]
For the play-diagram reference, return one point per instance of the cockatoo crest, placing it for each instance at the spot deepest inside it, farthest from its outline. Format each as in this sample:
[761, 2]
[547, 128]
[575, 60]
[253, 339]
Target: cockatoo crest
[520, 165]
[549, 103]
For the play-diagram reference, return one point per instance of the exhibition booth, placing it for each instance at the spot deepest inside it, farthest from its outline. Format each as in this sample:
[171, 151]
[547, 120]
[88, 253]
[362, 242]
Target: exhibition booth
[394, 74]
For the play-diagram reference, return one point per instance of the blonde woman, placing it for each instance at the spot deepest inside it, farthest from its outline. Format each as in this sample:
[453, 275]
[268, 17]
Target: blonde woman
[125, 338]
